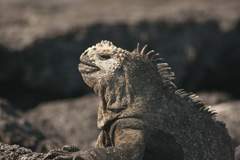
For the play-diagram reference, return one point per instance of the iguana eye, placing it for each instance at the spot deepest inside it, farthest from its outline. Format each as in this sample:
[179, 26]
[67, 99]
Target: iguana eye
[105, 57]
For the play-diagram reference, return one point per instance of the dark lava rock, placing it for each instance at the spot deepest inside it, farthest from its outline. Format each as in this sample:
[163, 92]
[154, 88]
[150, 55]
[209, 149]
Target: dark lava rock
[15, 130]
[73, 120]
[7, 112]
[15, 152]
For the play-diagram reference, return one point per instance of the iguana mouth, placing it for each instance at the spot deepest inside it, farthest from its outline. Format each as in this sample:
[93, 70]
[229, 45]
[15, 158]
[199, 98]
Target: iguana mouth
[87, 67]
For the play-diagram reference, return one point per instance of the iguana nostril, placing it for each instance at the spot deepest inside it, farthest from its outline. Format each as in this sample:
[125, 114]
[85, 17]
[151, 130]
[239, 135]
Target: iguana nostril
[85, 57]
[84, 54]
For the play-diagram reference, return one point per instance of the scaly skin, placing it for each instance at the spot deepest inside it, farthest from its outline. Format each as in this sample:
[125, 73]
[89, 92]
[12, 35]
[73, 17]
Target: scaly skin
[142, 114]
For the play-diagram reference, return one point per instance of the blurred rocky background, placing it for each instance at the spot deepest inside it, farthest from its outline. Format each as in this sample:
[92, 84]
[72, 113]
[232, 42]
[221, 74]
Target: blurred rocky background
[44, 102]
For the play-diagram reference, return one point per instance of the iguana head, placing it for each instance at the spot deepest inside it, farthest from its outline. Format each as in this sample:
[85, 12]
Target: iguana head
[118, 75]
[104, 62]
[101, 62]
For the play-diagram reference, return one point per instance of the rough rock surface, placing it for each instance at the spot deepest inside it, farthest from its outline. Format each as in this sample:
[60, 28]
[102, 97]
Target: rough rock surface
[229, 113]
[41, 41]
[73, 120]
[16, 130]
[15, 152]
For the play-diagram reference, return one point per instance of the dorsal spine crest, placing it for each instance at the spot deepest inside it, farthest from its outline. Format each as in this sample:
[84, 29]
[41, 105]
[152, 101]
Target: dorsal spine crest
[168, 76]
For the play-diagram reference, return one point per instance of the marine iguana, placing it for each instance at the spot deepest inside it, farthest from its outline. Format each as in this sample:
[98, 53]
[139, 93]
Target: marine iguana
[143, 115]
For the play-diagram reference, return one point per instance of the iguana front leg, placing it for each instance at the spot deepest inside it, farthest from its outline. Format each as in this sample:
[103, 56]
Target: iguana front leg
[128, 144]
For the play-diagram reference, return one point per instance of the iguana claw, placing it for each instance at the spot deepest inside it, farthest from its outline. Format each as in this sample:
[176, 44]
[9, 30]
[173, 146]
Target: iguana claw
[70, 148]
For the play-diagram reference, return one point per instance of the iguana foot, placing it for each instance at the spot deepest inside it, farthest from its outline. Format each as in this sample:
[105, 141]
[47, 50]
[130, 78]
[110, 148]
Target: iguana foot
[70, 148]
[68, 152]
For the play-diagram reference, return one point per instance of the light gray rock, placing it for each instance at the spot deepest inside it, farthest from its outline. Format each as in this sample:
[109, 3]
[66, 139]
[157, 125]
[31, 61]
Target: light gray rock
[237, 153]
[213, 98]
[74, 120]
[229, 113]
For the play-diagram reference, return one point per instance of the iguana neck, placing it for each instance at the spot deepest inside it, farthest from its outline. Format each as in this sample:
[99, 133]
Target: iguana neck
[131, 94]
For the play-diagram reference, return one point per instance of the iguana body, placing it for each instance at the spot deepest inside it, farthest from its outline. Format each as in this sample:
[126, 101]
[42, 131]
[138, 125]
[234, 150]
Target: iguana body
[142, 115]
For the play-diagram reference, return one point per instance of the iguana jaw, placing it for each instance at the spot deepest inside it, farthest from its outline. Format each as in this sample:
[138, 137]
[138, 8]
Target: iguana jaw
[87, 67]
